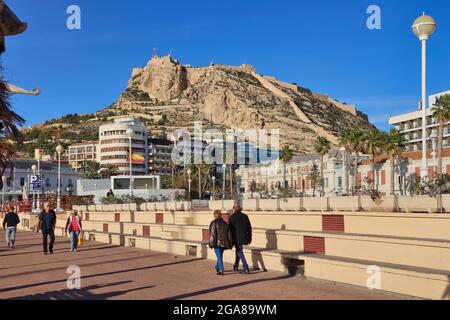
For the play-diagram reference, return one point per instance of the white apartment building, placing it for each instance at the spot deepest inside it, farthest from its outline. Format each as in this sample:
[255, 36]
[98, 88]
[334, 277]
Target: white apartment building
[81, 153]
[114, 145]
[410, 125]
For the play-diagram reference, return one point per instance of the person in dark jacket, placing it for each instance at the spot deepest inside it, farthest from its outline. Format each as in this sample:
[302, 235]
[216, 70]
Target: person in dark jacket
[47, 224]
[10, 223]
[241, 231]
[219, 239]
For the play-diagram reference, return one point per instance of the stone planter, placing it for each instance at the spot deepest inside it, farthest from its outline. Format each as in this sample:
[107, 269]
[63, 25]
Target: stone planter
[250, 204]
[385, 204]
[291, 204]
[160, 206]
[417, 204]
[315, 204]
[268, 204]
[344, 203]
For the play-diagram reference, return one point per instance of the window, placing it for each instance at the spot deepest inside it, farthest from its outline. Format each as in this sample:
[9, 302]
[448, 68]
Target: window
[22, 182]
[70, 183]
[340, 182]
[47, 182]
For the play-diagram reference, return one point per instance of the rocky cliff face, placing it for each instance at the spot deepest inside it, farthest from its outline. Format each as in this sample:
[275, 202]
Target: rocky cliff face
[232, 97]
[167, 95]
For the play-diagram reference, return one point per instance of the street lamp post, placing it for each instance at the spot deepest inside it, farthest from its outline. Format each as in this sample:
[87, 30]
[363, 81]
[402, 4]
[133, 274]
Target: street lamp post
[214, 187]
[423, 27]
[189, 182]
[59, 150]
[34, 169]
[224, 177]
[130, 136]
[3, 192]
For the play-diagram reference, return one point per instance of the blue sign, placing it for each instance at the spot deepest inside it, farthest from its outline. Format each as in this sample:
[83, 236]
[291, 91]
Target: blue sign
[35, 183]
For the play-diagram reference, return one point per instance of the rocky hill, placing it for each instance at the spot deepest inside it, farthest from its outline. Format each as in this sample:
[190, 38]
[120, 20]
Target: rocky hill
[167, 95]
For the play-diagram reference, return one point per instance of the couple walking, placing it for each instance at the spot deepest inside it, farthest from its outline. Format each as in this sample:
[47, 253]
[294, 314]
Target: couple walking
[224, 236]
[47, 224]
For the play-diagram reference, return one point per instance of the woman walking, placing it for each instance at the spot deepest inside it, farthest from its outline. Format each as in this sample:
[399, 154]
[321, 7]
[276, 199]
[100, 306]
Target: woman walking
[219, 239]
[74, 228]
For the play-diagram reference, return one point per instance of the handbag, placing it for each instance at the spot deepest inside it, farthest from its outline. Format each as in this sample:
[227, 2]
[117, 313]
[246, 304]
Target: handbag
[80, 239]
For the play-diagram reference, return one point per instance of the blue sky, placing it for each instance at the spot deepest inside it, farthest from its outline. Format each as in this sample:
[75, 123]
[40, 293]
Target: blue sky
[323, 45]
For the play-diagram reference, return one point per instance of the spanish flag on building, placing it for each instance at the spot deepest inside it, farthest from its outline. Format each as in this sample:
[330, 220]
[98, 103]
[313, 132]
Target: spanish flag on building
[137, 158]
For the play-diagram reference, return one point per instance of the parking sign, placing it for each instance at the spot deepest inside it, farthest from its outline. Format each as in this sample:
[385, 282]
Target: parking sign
[35, 182]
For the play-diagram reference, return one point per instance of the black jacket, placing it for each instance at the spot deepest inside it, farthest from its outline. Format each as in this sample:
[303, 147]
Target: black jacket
[220, 235]
[241, 228]
[11, 220]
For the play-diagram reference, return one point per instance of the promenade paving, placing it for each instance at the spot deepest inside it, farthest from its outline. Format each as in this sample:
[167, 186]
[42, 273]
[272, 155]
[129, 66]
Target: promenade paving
[119, 273]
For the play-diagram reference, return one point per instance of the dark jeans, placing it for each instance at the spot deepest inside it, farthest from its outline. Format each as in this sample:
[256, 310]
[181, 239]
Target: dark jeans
[45, 234]
[240, 257]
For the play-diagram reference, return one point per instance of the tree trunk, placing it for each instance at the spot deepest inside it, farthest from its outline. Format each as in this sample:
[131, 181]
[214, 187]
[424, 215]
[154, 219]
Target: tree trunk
[373, 172]
[199, 183]
[321, 177]
[347, 177]
[440, 141]
[284, 175]
[356, 170]
[392, 175]
[231, 181]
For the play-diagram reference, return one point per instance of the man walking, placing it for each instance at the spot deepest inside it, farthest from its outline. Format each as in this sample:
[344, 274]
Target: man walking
[10, 223]
[47, 222]
[241, 232]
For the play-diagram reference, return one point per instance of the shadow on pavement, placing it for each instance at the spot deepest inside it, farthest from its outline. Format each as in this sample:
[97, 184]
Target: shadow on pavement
[24, 273]
[240, 284]
[82, 294]
[27, 286]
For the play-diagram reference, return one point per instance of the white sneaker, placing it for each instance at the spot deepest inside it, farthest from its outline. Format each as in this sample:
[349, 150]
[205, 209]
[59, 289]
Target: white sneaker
[74, 250]
[71, 250]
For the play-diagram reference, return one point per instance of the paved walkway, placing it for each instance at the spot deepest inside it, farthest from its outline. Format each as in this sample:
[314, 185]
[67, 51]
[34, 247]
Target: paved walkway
[111, 272]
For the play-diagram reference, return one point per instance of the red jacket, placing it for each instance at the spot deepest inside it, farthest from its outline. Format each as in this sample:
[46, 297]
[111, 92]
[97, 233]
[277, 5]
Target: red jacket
[69, 223]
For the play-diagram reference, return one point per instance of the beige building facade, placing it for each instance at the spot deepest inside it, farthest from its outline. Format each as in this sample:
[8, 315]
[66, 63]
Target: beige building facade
[81, 153]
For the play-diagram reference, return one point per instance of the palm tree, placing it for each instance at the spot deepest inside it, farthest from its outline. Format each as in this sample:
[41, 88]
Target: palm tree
[357, 147]
[344, 142]
[441, 112]
[91, 171]
[6, 153]
[286, 155]
[9, 131]
[373, 144]
[394, 145]
[229, 159]
[322, 146]
[199, 171]
[108, 171]
[9, 120]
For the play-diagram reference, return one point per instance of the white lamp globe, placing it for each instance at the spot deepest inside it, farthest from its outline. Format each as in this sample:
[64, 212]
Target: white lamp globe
[424, 26]
[60, 149]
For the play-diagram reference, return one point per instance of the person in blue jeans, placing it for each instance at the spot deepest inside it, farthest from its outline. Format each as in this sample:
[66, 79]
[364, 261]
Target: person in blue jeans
[74, 227]
[219, 239]
[241, 231]
[10, 223]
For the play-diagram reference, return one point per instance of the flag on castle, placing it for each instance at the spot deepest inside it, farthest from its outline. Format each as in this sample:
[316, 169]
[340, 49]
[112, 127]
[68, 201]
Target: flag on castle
[137, 158]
